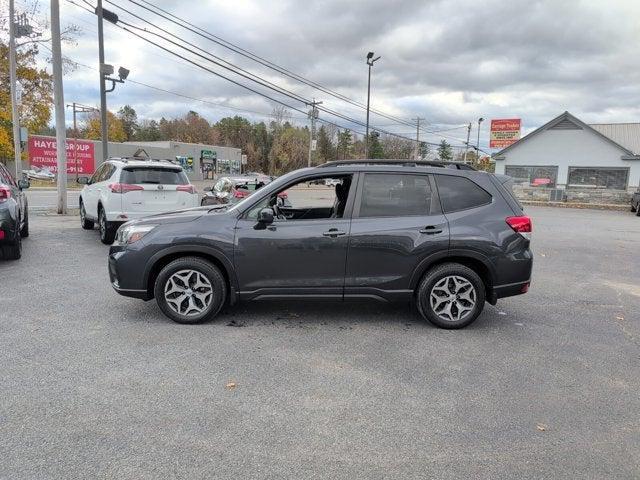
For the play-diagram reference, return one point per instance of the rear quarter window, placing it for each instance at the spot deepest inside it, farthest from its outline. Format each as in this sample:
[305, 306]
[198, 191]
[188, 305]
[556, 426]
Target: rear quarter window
[159, 176]
[460, 193]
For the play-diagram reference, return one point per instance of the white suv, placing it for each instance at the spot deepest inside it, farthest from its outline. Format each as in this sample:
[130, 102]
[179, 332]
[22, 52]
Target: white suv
[121, 190]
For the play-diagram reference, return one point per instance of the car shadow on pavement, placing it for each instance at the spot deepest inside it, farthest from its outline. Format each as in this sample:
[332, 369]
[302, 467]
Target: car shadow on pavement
[312, 314]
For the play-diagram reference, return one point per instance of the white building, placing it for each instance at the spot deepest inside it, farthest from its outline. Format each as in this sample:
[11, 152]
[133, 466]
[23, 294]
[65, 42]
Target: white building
[566, 153]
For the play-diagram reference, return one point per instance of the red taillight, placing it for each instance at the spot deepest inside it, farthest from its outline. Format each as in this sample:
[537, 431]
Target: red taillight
[124, 187]
[521, 224]
[5, 194]
[240, 193]
[186, 188]
[1, 234]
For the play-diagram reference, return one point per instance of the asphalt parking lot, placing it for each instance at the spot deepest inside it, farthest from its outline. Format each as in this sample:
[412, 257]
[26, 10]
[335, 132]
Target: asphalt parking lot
[544, 385]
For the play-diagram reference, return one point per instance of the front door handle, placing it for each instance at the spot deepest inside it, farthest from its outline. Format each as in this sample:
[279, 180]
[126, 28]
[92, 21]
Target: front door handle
[333, 233]
[431, 230]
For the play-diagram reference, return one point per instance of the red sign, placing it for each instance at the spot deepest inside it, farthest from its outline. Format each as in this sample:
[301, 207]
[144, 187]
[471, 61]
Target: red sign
[42, 153]
[504, 132]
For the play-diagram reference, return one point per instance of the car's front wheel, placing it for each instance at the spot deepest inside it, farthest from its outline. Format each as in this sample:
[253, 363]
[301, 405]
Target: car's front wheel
[190, 290]
[451, 296]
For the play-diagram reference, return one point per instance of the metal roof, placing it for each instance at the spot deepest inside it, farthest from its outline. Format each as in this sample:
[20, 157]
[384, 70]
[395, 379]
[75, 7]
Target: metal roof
[626, 134]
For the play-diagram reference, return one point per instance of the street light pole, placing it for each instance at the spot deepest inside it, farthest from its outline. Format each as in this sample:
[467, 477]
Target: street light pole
[418, 157]
[15, 118]
[480, 120]
[58, 100]
[370, 61]
[103, 88]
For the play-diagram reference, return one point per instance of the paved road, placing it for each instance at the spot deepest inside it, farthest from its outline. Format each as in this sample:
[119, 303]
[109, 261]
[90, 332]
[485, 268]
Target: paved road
[41, 199]
[543, 386]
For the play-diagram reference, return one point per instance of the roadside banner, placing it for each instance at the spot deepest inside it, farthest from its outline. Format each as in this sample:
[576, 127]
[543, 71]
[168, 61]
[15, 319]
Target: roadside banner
[42, 153]
[504, 132]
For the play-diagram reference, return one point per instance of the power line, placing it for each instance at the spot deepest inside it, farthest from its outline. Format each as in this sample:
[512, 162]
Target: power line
[129, 28]
[252, 56]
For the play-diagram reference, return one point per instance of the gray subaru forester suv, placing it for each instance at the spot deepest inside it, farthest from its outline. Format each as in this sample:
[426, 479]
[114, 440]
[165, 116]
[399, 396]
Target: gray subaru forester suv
[442, 235]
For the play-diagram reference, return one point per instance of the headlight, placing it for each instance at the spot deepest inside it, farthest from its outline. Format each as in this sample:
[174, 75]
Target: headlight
[128, 234]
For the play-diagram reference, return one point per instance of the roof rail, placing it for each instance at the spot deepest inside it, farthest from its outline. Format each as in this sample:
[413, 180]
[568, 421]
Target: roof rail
[401, 162]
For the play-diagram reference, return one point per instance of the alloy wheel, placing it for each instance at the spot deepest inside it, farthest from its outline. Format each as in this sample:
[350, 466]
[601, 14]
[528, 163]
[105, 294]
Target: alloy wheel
[453, 298]
[188, 292]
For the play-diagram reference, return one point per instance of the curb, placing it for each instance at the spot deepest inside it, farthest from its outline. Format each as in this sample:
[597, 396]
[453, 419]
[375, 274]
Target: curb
[582, 206]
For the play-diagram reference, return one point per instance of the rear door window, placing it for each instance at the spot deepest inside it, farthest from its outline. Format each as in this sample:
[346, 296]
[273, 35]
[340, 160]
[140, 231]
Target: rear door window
[395, 195]
[157, 176]
[460, 193]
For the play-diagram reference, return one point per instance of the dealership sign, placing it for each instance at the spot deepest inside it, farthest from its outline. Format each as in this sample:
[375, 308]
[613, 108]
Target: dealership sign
[504, 132]
[80, 153]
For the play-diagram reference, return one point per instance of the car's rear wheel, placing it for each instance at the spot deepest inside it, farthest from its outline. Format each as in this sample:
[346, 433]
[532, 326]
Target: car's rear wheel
[24, 231]
[190, 290]
[13, 251]
[107, 229]
[451, 296]
[84, 222]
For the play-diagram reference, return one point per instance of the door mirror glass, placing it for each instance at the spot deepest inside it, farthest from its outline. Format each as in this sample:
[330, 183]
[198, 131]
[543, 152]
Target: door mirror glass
[83, 180]
[23, 184]
[265, 216]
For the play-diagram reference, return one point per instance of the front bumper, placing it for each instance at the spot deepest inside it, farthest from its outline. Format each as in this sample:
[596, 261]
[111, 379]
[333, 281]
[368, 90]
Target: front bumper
[114, 259]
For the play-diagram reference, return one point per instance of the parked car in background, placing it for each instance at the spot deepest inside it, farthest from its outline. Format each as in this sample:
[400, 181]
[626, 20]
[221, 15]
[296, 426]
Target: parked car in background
[230, 190]
[447, 239]
[635, 202]
[37, 173]
[124, 189]
[14, 214]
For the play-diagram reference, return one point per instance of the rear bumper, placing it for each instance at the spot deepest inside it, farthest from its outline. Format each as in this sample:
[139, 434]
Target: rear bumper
[509, 290]
[8, 228]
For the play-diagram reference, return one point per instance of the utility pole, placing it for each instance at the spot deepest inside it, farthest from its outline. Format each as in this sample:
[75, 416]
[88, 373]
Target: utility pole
[78, 108]
[370, 61]
[466, 148]
[418, 157]
[480, 120]
[103, 88]
[313, 115]
[58, 100]
[15, 118]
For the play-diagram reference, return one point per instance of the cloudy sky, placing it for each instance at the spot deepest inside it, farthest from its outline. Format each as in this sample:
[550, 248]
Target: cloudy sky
[448, 61]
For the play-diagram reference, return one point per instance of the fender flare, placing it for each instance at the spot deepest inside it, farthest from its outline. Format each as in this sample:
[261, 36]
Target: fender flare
[430, 260]
[197, 250]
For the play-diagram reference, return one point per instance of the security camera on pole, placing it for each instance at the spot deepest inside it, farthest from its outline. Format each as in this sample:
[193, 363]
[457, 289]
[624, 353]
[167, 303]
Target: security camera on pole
[105, 71]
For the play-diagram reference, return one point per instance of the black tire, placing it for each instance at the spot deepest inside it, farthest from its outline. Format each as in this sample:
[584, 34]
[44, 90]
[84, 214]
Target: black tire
[638, 210]
[633, 208]
[84, 222]
[210, 272]
[13, 251]
[437, 275]
[24, 231]
[107, 229]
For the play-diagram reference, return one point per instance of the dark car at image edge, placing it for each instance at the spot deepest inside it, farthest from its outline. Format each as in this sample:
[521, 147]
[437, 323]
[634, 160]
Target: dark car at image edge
[448, 239]
[14, 215]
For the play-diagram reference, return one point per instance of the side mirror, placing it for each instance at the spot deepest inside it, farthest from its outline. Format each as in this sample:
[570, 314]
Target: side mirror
[83, 180]
[23, 184]
[207, 189]
[265, 216]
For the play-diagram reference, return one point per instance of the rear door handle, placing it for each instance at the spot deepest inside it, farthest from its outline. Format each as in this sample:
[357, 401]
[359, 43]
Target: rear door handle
[333, 233]
[431, 230]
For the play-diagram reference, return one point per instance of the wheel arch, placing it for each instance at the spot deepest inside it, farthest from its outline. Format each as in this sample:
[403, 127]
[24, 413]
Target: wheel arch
[166, 256]
[473, 260]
